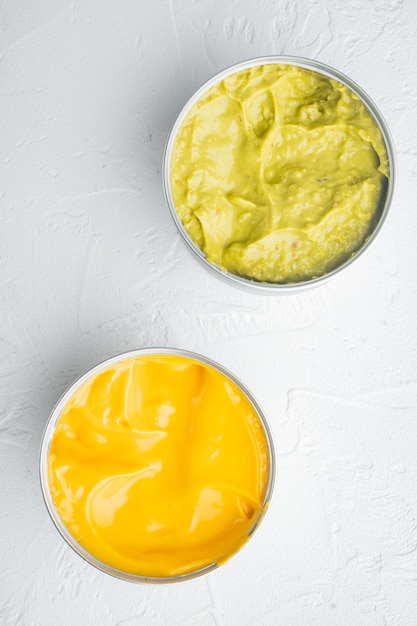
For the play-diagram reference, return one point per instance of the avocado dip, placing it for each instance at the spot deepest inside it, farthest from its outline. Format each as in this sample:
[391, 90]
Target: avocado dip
[279, 173]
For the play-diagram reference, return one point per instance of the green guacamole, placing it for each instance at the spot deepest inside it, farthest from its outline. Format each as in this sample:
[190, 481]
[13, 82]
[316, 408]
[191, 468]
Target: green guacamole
[278, 174]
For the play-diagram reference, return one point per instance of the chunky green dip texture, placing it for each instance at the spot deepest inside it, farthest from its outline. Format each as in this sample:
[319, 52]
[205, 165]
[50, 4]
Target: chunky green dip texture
[277, 174]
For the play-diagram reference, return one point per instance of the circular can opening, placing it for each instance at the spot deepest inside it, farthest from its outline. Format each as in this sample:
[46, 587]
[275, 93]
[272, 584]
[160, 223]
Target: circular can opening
[279, 173]
[157, 465]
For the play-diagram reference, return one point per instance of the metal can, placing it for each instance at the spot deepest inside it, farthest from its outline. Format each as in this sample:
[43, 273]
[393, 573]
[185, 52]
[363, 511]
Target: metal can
[53, 421]
[329, 72]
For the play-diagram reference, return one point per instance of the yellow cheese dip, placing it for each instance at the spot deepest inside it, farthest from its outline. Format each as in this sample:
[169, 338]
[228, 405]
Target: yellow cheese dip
[159, 465]
[278, 173]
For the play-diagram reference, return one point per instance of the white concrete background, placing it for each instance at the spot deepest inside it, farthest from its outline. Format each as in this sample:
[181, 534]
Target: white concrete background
[91, 265]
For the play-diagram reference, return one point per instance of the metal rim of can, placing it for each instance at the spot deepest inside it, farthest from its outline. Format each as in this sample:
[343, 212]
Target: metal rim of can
[321, 68]
[50, 429]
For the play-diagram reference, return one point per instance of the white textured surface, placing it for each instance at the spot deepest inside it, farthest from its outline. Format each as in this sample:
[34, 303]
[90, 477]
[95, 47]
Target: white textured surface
[91, 265]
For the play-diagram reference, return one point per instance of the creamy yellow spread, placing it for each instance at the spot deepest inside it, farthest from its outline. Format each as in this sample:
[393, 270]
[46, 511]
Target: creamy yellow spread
[278, 173]
[159, 466]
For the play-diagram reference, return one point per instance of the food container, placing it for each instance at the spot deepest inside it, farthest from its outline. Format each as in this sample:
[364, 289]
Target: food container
[61, 435]
[287, 286]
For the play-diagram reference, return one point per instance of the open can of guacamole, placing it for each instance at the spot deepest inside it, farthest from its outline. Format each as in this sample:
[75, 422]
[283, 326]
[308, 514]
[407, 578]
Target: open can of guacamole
[279, 173]
[157, 465]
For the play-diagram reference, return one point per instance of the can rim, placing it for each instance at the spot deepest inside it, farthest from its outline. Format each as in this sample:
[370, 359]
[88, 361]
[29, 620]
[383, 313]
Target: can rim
[321, 68]
[47, 439]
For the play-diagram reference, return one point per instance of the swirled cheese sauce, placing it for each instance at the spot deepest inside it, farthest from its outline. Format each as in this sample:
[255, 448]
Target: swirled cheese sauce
[278, 174]
[159, 466]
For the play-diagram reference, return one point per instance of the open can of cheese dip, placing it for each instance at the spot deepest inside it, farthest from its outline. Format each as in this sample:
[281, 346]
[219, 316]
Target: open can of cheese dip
[279, 173]
[157, 465]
